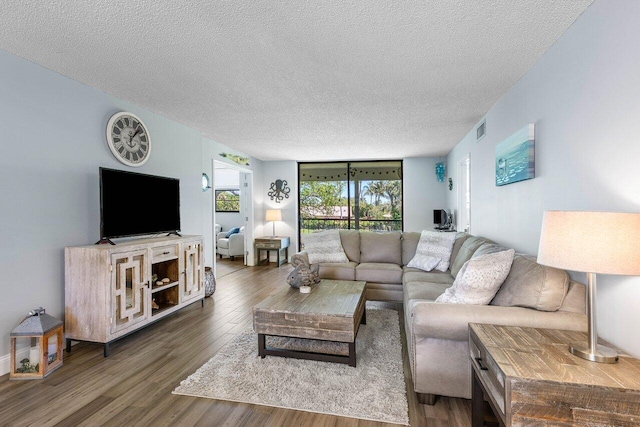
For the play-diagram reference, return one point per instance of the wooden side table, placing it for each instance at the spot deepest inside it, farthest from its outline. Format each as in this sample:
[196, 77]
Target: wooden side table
[277, 243]
[531, 379]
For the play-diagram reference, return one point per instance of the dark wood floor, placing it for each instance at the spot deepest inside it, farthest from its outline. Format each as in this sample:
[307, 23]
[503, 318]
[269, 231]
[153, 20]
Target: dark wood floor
[224, 266]
[132, 387]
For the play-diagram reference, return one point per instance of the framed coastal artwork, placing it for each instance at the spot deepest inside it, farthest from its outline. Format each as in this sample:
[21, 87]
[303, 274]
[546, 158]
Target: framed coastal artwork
[515, 157]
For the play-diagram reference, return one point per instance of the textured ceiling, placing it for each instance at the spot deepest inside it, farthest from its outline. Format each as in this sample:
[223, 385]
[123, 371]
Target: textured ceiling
[295, 79]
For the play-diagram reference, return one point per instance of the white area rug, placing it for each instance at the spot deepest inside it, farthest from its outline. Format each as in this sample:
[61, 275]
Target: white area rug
[373, 390]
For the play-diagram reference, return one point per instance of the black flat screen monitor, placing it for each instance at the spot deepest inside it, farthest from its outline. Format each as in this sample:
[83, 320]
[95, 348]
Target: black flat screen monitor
[134, 204]
[440, 217]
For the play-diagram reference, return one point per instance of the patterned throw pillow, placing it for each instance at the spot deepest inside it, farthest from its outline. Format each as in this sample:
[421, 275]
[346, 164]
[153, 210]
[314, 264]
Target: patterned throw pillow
[424, 262]
[324, 246]
[433, 244]
[479, 279]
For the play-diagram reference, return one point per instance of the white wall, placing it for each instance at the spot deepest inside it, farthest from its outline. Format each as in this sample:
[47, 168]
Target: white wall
[288, 171]
[53, 142]
[422, 193]
[584, 98]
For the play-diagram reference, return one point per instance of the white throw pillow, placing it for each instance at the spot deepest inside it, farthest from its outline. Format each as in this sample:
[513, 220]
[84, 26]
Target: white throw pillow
[424, 262]
[324, 246]
[434, 244]
[479, 279]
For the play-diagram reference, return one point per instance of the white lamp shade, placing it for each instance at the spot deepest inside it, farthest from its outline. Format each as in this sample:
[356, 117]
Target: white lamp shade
[593, 242]
[274, 215]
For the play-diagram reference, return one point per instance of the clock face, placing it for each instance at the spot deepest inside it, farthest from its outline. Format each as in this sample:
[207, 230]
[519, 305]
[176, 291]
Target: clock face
[128, 139]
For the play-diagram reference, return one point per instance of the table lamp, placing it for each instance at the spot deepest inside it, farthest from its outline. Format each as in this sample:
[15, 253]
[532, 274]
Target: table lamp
[591, 242]
[274, 215]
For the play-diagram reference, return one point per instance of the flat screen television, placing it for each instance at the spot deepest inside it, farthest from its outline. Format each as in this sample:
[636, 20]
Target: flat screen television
[134, 204]
[440, 218]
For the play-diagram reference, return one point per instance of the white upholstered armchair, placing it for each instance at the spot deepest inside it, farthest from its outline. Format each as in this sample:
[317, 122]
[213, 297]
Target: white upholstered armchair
[231, 246]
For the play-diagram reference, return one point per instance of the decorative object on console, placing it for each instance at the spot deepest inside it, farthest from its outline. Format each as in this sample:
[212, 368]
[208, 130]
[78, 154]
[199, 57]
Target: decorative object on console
[43, 335]
[441, 169]
[279, 190]
[128, 139]
[206, 182]
[273, 215]
[591, 242]
[303, 275]
[515, 157]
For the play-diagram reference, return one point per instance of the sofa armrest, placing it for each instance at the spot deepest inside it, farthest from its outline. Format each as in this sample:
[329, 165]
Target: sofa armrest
[221, 235]
[451, 321]
[236, 244]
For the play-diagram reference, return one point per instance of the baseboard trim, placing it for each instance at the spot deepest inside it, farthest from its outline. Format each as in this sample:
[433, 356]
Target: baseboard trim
[5, 361]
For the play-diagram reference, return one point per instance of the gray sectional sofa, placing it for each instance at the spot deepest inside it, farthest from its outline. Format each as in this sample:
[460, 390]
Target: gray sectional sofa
[437, 333]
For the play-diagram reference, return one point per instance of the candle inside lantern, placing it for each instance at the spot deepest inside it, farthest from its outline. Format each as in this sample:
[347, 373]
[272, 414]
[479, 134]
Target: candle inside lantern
[34, 354]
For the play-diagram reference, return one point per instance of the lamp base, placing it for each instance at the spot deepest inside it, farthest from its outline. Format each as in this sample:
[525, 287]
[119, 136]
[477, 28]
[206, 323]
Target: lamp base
[602, 355]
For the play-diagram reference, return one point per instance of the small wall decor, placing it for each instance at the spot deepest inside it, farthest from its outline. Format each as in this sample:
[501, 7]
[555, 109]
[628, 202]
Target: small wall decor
[244, 161]
[279, 190]
[450, 184]
[206, 182]
[515, 157]
[441, 169]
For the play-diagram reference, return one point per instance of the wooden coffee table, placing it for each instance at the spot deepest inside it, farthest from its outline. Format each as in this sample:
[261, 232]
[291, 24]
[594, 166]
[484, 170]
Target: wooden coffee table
[333, 311]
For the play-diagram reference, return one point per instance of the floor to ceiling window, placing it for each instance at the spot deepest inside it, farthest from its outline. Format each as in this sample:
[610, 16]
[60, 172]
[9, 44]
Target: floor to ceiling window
[350, 195]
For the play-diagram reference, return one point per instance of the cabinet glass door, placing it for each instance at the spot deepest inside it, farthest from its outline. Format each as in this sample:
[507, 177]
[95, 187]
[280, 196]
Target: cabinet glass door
[192, 283]
[129, 289]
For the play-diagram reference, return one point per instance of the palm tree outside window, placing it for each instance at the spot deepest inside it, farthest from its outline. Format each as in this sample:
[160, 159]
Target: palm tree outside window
[350, 195]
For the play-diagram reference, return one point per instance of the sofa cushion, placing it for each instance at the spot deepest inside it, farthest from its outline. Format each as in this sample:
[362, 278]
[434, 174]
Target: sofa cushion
[479, 279]
[350, 240]
[488, 248]
[324, 246]
[379, 272]
[575, 299]
[424, 291]
[433, 244]
[415, 275]
[532, 285]
[380, 247]
[409, 244]
[461, 237]
[424, 262]
[466, 251]
[338, 270]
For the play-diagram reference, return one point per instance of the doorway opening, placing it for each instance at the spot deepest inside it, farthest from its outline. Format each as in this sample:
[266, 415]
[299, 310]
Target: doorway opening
[232, 212]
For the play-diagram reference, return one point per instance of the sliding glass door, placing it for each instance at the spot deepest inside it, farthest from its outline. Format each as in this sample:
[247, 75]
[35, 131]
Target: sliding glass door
[350, 195]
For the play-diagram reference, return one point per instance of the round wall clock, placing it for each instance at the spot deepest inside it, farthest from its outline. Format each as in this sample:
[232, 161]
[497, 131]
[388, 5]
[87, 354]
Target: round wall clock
[128, 139]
